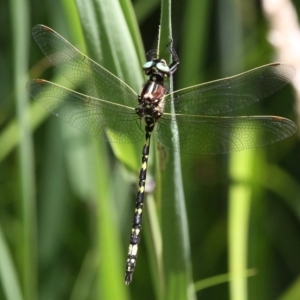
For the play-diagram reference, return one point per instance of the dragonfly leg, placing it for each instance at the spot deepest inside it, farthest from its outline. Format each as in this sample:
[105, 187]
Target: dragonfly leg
[175, 63]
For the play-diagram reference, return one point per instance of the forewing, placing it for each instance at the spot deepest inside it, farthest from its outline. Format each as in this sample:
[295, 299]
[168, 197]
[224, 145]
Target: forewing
[215, 135]
[96, 117]
[84, 73]
[231, 93]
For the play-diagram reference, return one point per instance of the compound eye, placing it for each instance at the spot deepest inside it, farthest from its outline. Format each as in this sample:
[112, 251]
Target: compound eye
[162, 67]
[148, 64]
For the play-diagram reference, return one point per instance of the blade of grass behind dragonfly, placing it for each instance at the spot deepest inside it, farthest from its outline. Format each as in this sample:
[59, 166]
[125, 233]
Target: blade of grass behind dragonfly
[175, 233]
[240, 191]
[193, 46]
[144, 9]
[28, 243]
[72, 153]
[115, 50]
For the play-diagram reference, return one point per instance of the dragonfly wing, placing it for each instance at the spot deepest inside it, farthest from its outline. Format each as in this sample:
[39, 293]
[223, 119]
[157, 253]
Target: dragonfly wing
[231, 93]
[84, 73]
[98, 118]
[216, 135]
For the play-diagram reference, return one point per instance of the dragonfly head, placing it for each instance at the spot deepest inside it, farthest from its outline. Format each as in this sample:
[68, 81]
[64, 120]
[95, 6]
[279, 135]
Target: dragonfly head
[157, 67]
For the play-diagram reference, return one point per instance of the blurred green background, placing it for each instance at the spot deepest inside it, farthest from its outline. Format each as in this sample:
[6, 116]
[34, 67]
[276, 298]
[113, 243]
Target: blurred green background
[66, 201]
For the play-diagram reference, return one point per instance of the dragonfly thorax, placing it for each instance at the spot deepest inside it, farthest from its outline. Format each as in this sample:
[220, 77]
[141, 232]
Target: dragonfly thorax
[150, 100]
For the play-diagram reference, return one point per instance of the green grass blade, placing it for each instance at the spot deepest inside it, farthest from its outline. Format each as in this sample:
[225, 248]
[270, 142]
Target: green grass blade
[193, 46]
[144, 8]
[117, 53]
[8, 272]
[239, 191]
[20, 24]
[219, 279]
[154, 245]
[9, 137]
[240, 194]
[175, 233]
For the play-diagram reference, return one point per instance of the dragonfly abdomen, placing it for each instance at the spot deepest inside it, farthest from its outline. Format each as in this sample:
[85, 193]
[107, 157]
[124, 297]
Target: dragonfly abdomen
[150, 109]
[137, 219]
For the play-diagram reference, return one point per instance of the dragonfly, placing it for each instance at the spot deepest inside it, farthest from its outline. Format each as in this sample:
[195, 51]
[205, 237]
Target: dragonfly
[111, 110]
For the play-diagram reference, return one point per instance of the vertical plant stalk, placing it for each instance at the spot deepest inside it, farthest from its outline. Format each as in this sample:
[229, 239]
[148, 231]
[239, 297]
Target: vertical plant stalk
[240, 193]
[176, 243]
[115, 50]
[20, 24]
[240, 172]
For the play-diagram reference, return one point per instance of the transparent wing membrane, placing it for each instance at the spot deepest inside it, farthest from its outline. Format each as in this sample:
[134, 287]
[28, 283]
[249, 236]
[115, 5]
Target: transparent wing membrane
[204, 135]
[90, 115]
[231, 93]
[84, 73]
[107, 111]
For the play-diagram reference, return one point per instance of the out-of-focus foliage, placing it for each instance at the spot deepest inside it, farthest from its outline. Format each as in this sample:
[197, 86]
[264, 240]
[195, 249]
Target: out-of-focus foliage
[69, 239]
